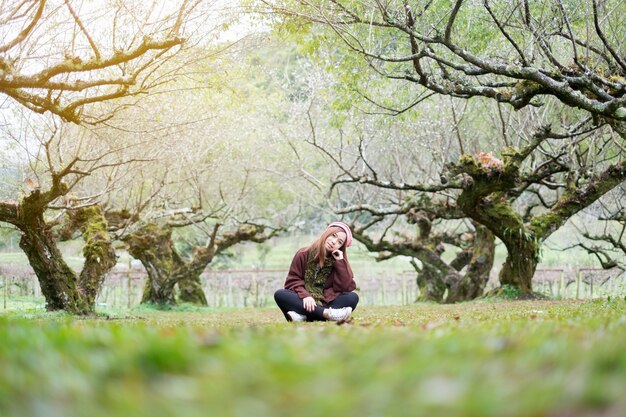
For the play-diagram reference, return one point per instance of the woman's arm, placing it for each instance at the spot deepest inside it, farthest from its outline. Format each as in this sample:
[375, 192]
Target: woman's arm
[343, 279]
[295, 277]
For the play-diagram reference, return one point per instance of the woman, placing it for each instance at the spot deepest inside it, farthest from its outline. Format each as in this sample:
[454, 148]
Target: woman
[320, 282]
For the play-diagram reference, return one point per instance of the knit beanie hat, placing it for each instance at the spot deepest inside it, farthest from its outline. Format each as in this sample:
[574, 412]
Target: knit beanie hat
[346, 229]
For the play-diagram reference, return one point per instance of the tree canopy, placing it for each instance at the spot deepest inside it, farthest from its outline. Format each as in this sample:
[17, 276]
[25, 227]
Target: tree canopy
[529, 55]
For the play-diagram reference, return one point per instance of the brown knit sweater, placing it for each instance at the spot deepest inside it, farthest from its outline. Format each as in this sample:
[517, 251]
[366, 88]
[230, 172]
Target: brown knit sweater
[340, 278]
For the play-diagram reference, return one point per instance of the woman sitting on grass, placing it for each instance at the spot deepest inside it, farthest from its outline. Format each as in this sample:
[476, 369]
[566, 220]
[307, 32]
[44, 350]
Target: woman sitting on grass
[320, 282]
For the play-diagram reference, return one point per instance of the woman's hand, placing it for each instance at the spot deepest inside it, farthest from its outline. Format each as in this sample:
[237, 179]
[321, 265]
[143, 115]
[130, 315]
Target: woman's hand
[338, 255]
[308, 303]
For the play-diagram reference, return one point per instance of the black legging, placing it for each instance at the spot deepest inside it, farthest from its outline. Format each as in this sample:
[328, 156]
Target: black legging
[288, 300]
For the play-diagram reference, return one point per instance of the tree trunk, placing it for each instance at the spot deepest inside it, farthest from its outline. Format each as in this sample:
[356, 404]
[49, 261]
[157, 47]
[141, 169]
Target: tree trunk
[521, 245]
[189, 283]
[191, 291]
[492, 209]
[430, 283]
[57, 280]
[60, 285]
[160, 285]
[98, 251]
[473, 282]
[520, 265]
[153, 246]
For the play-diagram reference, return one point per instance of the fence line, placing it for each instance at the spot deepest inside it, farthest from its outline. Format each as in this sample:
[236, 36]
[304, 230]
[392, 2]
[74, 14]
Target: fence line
[255, 288]
[123, 288]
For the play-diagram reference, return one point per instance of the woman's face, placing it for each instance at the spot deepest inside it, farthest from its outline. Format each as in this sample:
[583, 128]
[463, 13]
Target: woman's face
[335, 241]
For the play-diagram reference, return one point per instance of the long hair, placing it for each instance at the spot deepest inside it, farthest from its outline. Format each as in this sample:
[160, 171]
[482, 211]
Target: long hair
[318, 251]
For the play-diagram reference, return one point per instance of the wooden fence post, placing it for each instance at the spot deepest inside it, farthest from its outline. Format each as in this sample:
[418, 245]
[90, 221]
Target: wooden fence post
[129, 283]
[229, 300]
[404, 294]
[383, 291]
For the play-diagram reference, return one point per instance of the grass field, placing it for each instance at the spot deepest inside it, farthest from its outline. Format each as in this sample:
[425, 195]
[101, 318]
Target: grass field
[489, 358]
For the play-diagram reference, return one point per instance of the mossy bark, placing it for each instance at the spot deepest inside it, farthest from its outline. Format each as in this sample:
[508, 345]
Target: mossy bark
[520, 265]
[191, 291]
[60, 285]
[98, 251]
[58, 282]
[190, 285]
[152, 245]
[522, 247]
[472, 284]
[430, 283]
[484, 200]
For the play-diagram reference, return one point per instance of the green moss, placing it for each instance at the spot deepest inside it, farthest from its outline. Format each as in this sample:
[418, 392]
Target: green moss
[506, 93]
[467, 160]
[145, 242]
[526, 87]
[512, 159]
[94, 229]
[542, 224]
[617, 79]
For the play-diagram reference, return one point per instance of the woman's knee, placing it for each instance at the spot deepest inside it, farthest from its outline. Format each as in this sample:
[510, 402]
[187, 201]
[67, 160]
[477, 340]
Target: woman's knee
[354, 298]
[280, 295]
[283, 295]
[348, 299]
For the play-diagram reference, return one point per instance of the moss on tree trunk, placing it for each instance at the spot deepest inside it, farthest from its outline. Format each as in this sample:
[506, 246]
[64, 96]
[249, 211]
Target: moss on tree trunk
[152, 245]
[98, 251]
[472, 284]
[518, 269]
[520, 265]
[57, 280]
[484, 199]
[60, 285]
[191, 291]
[430, 283]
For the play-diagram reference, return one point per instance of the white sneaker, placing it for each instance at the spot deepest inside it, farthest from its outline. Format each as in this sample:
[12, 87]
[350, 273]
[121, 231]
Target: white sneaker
[296, 316]
[339, 314]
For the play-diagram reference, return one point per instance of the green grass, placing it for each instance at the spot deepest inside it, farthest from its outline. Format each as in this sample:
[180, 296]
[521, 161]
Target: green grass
[489, 358]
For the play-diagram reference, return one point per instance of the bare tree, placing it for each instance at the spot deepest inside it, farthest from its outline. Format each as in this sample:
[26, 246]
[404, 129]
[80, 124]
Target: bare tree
[508, 52]
[46, 200]
[154, 246]
[436, 277]
[211, 186]
[64, 57]
[82, 63]
[607, 243]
